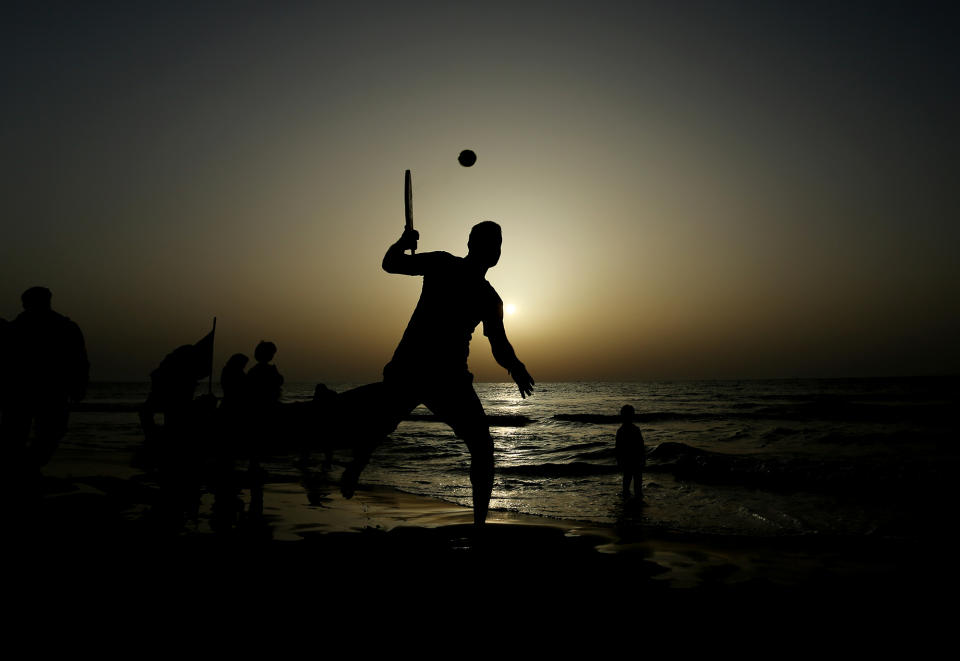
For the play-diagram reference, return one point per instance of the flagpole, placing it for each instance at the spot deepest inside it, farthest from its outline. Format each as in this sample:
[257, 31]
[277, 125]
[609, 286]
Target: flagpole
[213, 337]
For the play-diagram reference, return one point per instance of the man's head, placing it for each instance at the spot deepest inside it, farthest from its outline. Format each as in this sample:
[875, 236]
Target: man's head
[265, 352]
[484, 243]
[627, 412]
[36, 298]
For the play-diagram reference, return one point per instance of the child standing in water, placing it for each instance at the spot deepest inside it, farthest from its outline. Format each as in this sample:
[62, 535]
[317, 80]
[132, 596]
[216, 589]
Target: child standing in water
[631, 456]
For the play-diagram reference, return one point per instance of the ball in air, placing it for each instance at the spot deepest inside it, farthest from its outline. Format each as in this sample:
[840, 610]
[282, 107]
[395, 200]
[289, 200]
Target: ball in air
[467, 158]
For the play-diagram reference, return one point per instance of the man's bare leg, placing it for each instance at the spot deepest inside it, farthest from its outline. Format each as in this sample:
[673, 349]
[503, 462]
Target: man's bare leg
[481, 475]
[370, 413]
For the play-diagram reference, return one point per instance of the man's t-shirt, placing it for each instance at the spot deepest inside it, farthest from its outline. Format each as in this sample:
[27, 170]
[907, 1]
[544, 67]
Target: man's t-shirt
[264, 384]
[454, 299]
[46, 355]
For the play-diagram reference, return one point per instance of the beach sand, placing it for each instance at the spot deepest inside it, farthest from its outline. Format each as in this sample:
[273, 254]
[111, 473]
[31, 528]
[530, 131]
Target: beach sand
[87, 516]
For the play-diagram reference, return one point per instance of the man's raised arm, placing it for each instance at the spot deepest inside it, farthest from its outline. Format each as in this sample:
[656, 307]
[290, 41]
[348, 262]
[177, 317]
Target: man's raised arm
[396, 260]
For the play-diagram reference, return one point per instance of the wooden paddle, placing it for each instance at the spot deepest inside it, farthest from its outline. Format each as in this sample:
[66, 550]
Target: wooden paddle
[408, 204]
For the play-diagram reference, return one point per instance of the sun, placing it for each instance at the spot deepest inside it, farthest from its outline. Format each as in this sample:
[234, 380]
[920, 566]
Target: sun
[509, 308]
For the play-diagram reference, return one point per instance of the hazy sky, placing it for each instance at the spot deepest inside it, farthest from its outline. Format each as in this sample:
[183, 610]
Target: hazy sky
[715, 189]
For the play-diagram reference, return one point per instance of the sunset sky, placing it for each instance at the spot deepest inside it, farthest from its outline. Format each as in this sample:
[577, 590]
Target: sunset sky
[687, 190]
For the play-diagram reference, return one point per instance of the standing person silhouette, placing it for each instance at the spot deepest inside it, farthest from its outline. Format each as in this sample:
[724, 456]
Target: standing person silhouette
[264, 381]
[46, 370]
[233, 382]
[629, 449]
[264, 384]
[429, 365]
[232, 436]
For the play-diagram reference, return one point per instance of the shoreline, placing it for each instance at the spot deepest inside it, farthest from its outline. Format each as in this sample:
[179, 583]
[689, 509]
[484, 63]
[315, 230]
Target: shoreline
[309, 532]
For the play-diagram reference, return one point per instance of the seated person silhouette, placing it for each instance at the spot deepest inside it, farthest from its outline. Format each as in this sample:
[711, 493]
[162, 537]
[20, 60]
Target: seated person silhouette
[429, 365]
[45, 369]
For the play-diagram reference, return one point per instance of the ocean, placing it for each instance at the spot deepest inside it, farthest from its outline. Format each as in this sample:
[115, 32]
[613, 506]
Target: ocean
[760, 458]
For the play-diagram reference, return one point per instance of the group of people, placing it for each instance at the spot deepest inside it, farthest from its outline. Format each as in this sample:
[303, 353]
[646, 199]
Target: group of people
[429, 367]
[250, 399]
[43, 370]
[259, 388]
[201, 438]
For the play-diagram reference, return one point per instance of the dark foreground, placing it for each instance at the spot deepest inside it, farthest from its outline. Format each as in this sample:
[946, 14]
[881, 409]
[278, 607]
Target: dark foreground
[102, 530]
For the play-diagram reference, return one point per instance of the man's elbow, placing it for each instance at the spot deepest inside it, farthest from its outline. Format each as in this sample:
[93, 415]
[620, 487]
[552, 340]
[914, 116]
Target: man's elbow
[498, 342]
[502, 350]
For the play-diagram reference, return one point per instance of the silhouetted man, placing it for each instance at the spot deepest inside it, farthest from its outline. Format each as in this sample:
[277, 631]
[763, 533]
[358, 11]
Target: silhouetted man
[264, 381]
[264, 387]
[47, 368]
[429, 365]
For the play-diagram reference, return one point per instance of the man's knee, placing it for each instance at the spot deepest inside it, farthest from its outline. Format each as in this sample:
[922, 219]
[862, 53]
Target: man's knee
[481, 457]
[479, 442]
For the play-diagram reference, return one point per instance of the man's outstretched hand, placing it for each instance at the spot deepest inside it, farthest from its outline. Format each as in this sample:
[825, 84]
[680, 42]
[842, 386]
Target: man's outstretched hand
[523, 379]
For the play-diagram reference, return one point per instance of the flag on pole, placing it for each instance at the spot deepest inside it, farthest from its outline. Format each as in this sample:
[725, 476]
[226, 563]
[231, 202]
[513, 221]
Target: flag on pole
[203, 354]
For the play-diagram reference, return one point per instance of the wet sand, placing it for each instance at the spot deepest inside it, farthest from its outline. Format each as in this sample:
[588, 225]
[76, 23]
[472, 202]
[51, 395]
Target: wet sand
[80, 522]
[93, 517]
